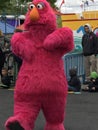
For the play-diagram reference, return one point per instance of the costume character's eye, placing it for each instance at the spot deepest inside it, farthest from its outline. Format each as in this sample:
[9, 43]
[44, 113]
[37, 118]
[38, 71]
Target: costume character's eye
[41, 5]
[31, 6]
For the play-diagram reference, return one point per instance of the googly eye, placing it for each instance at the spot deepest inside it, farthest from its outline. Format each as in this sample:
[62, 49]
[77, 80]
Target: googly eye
[40, 5]
[31, 6]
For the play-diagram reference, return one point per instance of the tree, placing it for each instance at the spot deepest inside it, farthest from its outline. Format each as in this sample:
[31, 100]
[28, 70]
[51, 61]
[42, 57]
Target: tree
[52, 2]
[14, 6]
[3, 5]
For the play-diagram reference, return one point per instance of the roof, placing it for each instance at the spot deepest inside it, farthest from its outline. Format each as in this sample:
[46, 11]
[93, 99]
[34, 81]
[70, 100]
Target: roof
[6, 28]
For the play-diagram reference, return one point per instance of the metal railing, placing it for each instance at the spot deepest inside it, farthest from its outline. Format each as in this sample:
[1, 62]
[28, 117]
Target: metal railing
[74, 60]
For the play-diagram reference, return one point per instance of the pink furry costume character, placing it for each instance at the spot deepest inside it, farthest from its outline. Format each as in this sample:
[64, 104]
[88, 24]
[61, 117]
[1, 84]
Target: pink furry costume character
[41, 82]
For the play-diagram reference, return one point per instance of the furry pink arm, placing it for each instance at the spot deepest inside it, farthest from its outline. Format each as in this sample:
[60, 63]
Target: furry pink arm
[21, 46]
[61, 38]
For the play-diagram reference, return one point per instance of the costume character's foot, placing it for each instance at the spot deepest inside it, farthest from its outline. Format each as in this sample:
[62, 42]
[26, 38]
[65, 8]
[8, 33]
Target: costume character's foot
[15, 126]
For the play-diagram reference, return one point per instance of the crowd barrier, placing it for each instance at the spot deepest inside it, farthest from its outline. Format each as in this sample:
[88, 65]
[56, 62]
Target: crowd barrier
[74, 60]
[71, 60]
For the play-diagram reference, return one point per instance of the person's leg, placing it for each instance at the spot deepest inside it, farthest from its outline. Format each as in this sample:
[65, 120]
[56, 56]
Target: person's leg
[71, 88]
[53, 109]
[0, 69]
[26, 109]
[87, 65]
[93, 61]
[96, 88]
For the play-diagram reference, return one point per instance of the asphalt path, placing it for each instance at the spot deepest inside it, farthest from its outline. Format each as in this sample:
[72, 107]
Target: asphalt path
[81, 111]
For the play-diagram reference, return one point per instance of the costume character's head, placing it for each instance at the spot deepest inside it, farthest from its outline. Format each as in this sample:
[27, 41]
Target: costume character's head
[40, 16]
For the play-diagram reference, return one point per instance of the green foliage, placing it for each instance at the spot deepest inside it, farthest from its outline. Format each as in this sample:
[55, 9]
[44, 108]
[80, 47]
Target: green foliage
[3, 5]
[52, 2]
[11, 7]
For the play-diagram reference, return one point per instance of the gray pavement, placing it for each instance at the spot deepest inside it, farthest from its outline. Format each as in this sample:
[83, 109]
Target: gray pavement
[81, 111]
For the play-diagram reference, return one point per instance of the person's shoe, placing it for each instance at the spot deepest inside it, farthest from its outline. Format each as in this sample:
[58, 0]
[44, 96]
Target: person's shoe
[4, 86]
[15, 126]
[85, 89]
[86, 82]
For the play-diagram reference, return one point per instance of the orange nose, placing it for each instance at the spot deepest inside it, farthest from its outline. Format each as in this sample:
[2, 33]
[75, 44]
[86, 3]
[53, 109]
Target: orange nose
[34, 14]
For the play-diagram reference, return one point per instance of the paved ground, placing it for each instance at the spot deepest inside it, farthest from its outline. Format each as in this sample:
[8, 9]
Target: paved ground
[82, 111]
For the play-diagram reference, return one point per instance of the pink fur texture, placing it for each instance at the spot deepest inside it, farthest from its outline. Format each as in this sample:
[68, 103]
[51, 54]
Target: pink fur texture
[41, 83]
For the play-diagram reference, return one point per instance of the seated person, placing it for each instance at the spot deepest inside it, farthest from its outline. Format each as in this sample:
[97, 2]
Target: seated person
[74, 83]
[93, 85]
[5, 79]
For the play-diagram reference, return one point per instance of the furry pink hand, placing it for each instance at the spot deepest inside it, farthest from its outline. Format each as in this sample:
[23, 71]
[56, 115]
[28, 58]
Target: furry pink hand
[21, 46]
[61, 38]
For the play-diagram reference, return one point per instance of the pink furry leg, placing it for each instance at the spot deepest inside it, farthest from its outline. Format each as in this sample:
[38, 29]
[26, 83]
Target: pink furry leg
[26, 109]
[53, 109]
[54, 127]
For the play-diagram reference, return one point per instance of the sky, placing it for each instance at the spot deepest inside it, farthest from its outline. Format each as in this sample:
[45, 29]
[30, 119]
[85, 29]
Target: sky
[74, 6]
